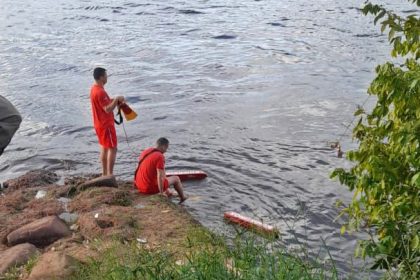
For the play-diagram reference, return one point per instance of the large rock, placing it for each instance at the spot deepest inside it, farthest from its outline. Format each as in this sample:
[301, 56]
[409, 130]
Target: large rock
[53, 265]
[40, 232]
[16, 256]
[104, 181]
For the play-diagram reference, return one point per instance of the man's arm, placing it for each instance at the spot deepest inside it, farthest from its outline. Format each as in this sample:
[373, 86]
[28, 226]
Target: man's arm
[114, 103]
[161, 179]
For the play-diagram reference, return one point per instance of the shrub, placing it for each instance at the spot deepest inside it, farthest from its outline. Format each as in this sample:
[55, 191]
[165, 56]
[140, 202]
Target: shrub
[385, 177]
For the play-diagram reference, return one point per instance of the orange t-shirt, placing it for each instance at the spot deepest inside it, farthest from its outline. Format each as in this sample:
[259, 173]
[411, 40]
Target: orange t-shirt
[146, 176]
[99, 99]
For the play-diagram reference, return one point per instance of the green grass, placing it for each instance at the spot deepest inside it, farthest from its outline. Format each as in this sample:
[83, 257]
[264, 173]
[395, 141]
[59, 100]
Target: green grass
[206, 256]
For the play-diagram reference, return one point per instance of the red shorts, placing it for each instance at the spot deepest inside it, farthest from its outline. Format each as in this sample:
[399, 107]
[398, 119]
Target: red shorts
[107, 137]
[154, 189]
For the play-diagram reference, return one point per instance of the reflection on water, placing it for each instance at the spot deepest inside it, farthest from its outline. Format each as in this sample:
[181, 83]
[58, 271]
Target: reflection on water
[249, 91]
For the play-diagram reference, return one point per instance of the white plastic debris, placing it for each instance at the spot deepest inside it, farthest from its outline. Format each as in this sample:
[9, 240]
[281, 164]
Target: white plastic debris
[40, 194]
[139, 206]
[96, 215]
[141, 240]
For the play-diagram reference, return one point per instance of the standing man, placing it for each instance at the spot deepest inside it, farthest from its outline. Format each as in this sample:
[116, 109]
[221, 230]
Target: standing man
[150, 176]
[103, 120]
[10, 120]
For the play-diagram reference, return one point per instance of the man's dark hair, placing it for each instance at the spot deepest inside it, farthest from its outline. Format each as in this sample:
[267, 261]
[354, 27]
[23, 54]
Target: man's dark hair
[162, 142]
[98, 72]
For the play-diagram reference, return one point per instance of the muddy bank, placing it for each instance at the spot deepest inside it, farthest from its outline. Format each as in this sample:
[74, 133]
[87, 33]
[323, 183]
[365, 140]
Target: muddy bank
[69, 219]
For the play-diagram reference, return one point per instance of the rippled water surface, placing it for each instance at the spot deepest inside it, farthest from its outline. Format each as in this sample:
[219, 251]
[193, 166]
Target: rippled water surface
[249, 91]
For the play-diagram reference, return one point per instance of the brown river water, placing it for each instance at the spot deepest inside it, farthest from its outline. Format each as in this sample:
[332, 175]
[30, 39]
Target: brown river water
[249, 91]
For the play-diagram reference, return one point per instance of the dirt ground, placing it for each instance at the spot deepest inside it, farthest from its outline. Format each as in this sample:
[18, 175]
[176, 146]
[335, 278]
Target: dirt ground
[104, 213]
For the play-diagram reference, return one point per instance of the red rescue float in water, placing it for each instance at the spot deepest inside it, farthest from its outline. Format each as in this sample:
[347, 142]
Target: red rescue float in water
[251, 224]
[187, 175]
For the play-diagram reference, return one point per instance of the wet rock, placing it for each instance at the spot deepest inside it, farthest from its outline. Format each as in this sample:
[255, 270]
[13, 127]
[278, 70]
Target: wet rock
[36, 178]
[40, 232]
[16, 256]
[53, 265]
[104, 181]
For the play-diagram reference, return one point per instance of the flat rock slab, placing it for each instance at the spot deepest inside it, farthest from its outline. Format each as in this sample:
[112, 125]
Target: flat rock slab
[104, 181]
[40, 232]
[54, 265]
[16, 256]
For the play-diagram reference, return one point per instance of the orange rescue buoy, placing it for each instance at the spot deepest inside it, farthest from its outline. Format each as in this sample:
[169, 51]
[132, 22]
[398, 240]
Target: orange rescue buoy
[129, 114]
[251, 224]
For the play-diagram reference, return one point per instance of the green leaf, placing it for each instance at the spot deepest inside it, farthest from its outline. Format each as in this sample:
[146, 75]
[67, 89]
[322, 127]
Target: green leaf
[416, 180]
[391, 33]
[413, 84]
[379, 16]
[415, 242]
[383, 27]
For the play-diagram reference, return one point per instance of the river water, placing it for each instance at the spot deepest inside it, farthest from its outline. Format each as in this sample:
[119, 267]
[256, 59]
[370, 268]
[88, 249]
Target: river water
[249, 91]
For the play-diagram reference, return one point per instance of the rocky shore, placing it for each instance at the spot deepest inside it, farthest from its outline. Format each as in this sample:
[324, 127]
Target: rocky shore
[48, 230]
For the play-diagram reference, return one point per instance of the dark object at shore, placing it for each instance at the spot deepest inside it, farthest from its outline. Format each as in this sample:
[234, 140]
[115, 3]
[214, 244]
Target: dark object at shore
[10, 120]
[339, 152]
[337, 146]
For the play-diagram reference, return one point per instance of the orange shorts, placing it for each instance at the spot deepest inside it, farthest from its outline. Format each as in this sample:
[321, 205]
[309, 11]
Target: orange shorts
[107, 137]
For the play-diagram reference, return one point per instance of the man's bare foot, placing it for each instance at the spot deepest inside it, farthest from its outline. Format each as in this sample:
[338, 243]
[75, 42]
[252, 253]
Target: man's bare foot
[183, 199]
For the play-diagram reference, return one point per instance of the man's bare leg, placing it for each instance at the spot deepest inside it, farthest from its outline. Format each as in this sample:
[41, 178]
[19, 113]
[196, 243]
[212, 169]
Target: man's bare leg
[112, 154]
[104, 160]
[176, 182]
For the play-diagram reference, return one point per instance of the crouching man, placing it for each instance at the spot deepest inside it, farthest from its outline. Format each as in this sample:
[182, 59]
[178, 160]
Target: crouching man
[150, 177]
[10, 120]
